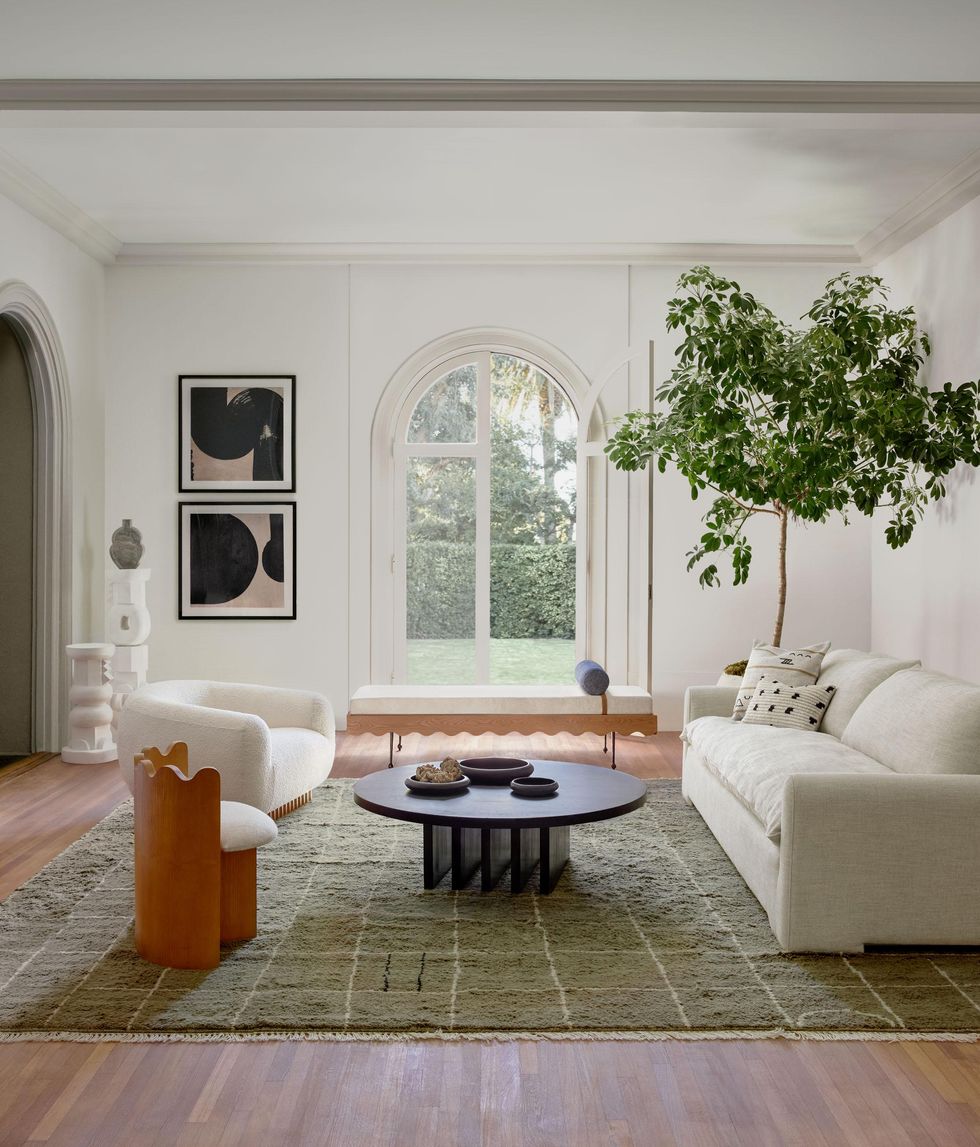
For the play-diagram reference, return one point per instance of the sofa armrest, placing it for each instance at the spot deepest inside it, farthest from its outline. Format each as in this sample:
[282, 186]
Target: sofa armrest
[878, 859]
[709, 701]
[278, 708]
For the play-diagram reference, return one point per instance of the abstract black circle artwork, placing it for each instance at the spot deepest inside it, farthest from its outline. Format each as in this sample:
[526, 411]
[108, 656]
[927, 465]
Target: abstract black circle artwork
[237, 560]
[237, 433]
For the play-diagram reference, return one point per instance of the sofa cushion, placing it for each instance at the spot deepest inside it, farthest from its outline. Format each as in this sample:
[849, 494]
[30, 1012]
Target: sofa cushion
[854, 674]
[792, 666]
[754, 761]
[788, 706]
[919, 722]
[244, 827]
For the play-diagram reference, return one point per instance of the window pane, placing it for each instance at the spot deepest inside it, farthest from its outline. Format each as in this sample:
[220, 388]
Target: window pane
[441, 571]
[447, 410]
[532, 526]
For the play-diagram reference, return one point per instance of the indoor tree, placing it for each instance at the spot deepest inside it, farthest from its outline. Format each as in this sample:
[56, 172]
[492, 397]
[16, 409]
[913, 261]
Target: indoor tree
[798, 423]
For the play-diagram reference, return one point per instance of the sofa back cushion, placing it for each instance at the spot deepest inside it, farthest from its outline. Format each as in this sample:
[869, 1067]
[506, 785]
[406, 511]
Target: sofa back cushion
[854, 674]
[919, 722]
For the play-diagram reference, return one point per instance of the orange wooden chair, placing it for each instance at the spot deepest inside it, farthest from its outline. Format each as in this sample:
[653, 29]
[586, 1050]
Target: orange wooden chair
[195, 861]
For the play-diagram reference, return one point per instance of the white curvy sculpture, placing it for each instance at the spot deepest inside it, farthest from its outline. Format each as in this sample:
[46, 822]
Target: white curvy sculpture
[129, 627]
[271, 746]
[90, 716]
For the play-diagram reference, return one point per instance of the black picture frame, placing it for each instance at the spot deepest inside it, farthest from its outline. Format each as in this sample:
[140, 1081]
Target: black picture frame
[236, 433]
[225, 542]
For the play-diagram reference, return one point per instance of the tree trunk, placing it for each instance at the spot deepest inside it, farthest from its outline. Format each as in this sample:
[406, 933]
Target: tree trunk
[777, 632]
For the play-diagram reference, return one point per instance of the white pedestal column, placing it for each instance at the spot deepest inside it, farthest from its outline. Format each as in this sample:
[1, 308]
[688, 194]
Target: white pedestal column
[129, 627]
[90, 717]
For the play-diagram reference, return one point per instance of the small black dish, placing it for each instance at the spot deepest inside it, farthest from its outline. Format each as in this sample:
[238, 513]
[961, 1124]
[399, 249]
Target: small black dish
[434, 788]
[495, 770]
[534, 786]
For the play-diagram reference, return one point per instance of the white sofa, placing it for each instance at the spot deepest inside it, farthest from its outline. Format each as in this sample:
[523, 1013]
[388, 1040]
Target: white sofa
[865, 833]
[272, 747]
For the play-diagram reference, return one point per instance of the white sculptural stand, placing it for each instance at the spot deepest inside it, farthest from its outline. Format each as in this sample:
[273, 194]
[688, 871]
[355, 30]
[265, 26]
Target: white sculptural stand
[129, 627]
[90, 717]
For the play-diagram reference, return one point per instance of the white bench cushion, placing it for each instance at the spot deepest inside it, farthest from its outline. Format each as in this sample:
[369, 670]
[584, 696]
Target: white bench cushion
[754, 761]
[509, 699]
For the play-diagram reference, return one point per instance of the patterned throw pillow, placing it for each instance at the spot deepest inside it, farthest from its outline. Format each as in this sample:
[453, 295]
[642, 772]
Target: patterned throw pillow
[791, 666]
[788, 706]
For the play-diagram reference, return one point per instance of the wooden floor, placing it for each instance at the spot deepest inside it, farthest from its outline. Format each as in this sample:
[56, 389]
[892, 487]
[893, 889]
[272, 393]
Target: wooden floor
[514, 1094]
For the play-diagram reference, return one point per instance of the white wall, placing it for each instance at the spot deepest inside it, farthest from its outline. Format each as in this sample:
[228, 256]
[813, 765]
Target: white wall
[71, 285]
[926, 596]
[271, 320]
[167, 321]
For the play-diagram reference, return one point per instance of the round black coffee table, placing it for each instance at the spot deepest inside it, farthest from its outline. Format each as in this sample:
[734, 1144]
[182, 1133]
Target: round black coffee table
[490, 828]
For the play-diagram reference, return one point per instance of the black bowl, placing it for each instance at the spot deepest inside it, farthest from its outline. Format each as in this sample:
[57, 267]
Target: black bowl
[534, 786]
[495, 770]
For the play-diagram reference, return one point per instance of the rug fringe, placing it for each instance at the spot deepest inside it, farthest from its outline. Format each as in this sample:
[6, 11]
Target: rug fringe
[485, 1036]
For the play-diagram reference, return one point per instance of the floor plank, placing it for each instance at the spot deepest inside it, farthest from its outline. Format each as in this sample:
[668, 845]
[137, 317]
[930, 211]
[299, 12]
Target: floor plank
[427, 1093]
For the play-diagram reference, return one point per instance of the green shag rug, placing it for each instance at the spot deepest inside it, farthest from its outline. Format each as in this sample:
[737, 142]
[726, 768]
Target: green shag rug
[651, 932]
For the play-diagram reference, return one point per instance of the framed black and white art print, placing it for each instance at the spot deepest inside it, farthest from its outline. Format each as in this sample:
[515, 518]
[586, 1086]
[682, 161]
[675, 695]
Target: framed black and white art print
[237, 560]
[237, 433]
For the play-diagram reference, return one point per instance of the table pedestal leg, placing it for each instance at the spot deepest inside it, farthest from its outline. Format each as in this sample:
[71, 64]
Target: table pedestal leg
[437, 853]
[466, 855]
[554, 855]
[525, 849]
[495, 844]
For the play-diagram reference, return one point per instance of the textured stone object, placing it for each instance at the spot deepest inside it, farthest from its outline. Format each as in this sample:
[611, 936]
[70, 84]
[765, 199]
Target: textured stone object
[448, 770]
[126, 549]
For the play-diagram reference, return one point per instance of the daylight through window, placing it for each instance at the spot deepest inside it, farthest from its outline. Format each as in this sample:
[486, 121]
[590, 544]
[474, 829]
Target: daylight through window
[488, 478]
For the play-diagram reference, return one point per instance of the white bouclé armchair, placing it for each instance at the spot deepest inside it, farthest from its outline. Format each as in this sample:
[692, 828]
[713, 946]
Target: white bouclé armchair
[271, 746]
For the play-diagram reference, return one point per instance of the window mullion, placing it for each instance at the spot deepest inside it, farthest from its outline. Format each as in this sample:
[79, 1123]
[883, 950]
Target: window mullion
[483, 521]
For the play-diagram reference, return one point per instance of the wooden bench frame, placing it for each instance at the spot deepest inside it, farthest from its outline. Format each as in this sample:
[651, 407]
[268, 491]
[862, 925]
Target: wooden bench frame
[452, 724]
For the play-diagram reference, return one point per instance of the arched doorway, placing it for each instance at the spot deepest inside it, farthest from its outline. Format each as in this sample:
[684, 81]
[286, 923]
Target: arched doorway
[31, 327]
[17, 567]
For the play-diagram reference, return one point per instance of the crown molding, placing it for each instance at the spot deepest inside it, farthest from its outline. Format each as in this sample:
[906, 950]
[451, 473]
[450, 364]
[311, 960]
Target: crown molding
[637, 254]
[946, 195]
[19, 184]
[492, 95]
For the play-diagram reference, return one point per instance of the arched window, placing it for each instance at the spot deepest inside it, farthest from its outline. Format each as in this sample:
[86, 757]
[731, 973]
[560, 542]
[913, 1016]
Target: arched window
[485, 524]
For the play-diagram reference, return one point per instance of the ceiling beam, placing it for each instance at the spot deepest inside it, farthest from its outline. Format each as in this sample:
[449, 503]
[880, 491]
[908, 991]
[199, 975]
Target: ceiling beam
[492, 95]
[635, 254]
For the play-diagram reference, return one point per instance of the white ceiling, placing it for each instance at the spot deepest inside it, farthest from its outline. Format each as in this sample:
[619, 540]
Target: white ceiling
[833, 183]
[488, 178]
[573, 39]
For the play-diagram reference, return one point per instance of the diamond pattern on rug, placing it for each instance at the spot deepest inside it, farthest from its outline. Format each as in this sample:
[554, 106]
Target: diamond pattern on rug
[650, 929]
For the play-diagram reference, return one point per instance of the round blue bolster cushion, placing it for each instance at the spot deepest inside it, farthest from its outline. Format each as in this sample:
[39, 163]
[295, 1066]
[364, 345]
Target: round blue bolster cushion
[592, 678]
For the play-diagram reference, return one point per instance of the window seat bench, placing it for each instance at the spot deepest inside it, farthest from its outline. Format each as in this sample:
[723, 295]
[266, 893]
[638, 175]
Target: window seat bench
[453, 709]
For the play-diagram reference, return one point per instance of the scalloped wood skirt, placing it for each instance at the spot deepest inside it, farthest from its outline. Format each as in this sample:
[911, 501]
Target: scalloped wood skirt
[452, 724]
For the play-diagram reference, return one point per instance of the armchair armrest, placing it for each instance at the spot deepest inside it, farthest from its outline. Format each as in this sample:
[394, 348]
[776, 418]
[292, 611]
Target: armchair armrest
[709, 701]
[878, 859]
[236, 744]
[279, 707]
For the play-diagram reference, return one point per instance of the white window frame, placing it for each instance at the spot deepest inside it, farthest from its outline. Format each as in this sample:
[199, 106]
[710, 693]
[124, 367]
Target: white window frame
[391, 451]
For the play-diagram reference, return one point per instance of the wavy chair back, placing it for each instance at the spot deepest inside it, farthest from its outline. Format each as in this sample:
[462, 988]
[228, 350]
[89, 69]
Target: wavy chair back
[178, 860]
